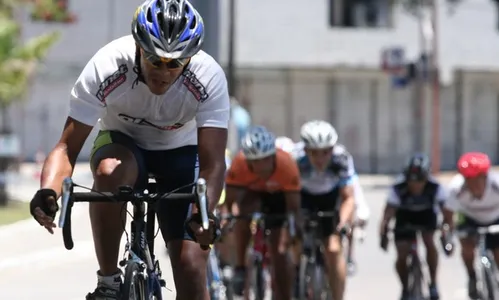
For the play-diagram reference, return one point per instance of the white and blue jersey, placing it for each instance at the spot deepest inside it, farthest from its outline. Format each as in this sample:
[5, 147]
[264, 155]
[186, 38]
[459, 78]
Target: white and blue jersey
[339, 173]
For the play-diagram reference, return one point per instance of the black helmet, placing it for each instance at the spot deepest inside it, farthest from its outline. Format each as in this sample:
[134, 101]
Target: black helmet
[418, 167]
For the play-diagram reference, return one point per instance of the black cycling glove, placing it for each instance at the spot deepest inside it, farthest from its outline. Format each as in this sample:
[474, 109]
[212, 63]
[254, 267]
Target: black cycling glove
[41, 200]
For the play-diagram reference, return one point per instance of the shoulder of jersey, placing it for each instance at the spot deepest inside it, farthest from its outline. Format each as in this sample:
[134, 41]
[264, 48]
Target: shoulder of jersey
[203, 70]
[112, 68]
[456, 183]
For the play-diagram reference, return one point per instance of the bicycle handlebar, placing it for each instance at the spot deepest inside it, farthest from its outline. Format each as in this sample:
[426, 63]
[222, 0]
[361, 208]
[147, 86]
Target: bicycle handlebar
[125, 194]
[258, 217]
[492, 229]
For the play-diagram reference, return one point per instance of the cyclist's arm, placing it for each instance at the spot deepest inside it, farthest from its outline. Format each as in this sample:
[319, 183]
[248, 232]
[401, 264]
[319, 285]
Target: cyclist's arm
[60, 162]
[450, 206]
[292, 187]
[212, 120]
[84, 111]
[392, 202]
[347, 189]
[233, 194]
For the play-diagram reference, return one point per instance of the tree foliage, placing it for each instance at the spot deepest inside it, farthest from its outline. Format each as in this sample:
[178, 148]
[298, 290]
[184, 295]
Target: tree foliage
[18, 59]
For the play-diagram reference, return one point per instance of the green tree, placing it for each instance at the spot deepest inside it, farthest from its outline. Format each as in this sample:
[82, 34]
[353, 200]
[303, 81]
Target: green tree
[18, 61]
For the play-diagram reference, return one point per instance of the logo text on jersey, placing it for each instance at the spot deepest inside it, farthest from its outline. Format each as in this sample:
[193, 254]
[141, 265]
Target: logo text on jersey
[141, 121]
[194, 86]
[112, 82]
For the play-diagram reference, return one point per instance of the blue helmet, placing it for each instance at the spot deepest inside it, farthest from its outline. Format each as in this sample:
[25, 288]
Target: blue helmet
[168, 28]
[258, 143]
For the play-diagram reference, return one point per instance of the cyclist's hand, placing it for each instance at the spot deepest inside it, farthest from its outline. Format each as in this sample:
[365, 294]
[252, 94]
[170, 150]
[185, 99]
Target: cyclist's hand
[201, 236]
[43, 208]
[383, 243]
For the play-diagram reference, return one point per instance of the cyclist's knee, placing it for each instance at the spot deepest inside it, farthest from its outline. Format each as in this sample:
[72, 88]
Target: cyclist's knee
[332, 250]
[403, 248]
[278, 241]
[429, 241]
[114, 165]
[189, 265]
[467, 248]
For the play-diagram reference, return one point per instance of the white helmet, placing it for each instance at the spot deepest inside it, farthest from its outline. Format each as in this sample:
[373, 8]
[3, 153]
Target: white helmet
[285, 143]
[318, 134]
[258, 143]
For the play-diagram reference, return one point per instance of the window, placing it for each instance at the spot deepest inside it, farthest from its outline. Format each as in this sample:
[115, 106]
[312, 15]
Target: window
[361, 13]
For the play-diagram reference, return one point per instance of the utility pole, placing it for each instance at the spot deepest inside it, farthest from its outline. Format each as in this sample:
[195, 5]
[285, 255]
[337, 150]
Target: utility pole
[231, 72]
[435, 138]
[210, 11]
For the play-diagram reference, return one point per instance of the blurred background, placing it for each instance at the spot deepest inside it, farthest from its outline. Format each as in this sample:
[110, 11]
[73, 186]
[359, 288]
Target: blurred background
[393, 76]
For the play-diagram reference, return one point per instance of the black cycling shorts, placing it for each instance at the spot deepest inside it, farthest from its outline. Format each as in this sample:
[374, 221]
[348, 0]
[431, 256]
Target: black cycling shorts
[322, 202]
[491, 240]
[427, 219]
[171, 169]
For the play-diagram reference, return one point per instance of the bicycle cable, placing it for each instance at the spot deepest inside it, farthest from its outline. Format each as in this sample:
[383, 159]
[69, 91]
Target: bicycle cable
[123, 222]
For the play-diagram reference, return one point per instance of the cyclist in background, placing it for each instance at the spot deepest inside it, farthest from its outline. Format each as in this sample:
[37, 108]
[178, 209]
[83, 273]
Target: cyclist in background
[160, 101]
[263, 178]
[327, 173]
[226, 245]
[474, 196]
[414, 199]
[362, 211]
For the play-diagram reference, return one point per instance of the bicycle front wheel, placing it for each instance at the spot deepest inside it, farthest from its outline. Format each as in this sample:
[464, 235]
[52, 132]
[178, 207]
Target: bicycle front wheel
[259, 283]
[415, 282]
[487, 285]
[134, 287]
[312, 282]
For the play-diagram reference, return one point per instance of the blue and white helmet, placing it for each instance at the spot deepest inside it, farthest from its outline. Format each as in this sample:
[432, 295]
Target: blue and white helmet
[168, 28]
[258, 143]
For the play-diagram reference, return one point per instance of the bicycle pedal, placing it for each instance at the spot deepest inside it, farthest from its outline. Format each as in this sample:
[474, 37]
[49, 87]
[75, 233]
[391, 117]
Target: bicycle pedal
[162, 283]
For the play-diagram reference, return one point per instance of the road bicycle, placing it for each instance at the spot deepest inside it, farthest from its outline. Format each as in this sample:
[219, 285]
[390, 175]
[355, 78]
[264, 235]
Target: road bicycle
[487, 269]
[142, 279]
[258, 250]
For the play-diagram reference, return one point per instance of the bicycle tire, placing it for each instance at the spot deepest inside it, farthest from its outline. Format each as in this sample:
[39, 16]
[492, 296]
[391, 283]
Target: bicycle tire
[312, 283]
[134, 284]
[415, 279]
[488, 283]
[258, 284]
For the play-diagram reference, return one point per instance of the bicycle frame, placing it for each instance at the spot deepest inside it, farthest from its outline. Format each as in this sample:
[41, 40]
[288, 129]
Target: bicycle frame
[416, 276]
[141, 245]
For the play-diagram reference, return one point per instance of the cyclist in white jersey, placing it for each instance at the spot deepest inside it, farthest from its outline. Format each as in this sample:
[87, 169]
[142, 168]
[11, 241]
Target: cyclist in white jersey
[362, 211]
[160, 101]
[327, 173]
[474, 197]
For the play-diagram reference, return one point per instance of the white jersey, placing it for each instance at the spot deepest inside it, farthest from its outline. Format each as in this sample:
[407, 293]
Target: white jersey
[483, 211]
[108, 91]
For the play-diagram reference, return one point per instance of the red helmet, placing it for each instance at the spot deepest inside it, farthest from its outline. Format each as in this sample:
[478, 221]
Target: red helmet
[473, 164]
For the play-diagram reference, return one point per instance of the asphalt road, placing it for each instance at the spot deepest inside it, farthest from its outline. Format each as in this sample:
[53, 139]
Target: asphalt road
[35, 265]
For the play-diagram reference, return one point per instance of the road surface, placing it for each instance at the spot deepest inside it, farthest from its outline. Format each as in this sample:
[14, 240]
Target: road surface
[35, 265]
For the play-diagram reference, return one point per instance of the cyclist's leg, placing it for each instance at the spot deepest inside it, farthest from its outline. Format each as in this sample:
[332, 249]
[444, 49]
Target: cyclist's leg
[226, 245]
[492, 243]
[468, 245]
[281, 266]
[403, 242]
[115, 161]
[174, 169]
[429, 219]
[333, 252]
